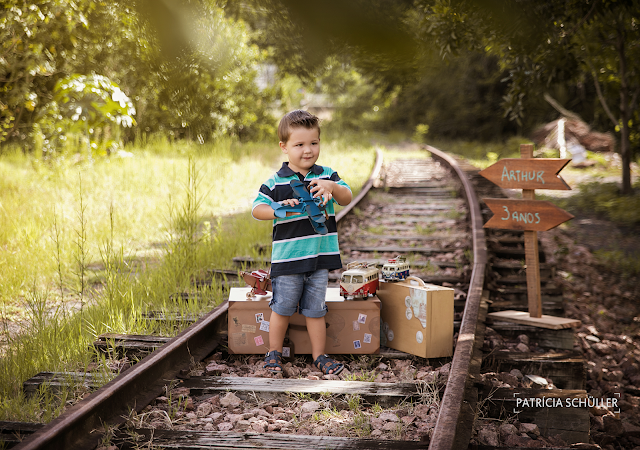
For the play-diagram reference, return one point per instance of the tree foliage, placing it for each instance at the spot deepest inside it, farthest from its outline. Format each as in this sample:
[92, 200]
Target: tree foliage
[202, 86]
[547, 45]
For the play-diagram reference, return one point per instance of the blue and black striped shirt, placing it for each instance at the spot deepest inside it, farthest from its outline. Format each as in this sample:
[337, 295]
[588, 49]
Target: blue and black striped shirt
[296, 247]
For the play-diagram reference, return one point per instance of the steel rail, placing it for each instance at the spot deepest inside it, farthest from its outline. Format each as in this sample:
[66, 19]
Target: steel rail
[78, 427]
[375, 173]
[444, 434]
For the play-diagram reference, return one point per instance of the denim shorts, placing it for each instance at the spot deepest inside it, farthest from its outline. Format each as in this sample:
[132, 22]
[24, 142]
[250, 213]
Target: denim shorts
[304, 293]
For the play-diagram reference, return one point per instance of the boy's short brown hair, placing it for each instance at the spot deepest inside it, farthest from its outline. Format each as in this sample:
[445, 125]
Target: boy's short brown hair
[297, 118]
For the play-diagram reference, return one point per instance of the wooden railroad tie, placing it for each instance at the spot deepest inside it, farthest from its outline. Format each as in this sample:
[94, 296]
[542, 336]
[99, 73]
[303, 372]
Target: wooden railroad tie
[12, 433]
[129, 343]
[400, 249]
[568, 422]
[57, 380]
[385, 394]
[566, 369]
[562, 339]
[219, 440]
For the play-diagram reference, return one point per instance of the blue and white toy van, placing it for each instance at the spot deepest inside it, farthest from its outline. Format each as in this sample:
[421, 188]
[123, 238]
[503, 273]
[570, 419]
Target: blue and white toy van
[395, 269]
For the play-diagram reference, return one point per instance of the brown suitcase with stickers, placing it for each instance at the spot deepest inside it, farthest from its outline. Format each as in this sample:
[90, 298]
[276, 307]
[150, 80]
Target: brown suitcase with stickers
[417, 318]
[353, 327]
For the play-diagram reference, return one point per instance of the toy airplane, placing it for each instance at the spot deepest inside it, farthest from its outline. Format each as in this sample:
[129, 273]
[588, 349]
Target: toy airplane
[259, 281]
[312, 206]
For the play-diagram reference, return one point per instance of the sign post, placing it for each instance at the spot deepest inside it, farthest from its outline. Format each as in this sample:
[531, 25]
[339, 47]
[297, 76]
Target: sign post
[531, 216]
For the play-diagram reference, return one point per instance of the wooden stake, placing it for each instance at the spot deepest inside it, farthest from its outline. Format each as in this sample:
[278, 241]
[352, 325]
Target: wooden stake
[531, 250]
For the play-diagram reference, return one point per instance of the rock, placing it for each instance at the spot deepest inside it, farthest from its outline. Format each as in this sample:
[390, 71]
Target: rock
[516, 373]
[377, 423]
[259, 426]
[389, 417]
[242, 425]
[233, 418]
[292, 372]
[204, 409]
[487, 436]
[309, 407]
[189, 406]
[507, 429]
[215, 416]
[428, 377]
[613, 375]
[601, 348]
[613, 425]
[225, 426]
[444, 370]
[408, 420]
[180, 392]
[422, 411]
[216, 369]
[508, 378]
[391, 426]
[597, 423]
[426, 429]
[191, 416]
[524, 339]
[230, 400]
[513, 440]
[330, 376]
[382, 366]
[376, 433]
[630, 430]
[524, 348]
[209, 427]
[529, 428]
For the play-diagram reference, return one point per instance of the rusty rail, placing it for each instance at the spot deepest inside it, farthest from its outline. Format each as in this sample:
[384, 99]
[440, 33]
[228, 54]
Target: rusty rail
[375, 173]
[78, 426]
[445, 431]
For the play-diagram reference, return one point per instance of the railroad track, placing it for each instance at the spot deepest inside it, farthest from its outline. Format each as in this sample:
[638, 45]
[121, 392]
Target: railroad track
[426, 210]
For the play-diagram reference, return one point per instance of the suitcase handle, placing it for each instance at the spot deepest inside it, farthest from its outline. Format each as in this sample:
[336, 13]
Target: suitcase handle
[416, 279]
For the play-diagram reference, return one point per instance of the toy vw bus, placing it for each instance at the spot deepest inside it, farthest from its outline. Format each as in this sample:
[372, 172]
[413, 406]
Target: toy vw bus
[395, 269]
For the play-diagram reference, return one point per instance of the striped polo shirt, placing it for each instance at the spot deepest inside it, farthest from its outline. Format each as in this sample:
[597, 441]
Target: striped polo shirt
[296, 247]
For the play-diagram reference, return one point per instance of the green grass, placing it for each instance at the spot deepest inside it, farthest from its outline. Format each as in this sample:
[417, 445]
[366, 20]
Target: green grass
[482, 154]
[604, 200]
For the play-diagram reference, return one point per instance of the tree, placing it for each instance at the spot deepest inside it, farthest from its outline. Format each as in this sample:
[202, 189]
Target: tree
[608, 46]
[87, 103]
[543, 43]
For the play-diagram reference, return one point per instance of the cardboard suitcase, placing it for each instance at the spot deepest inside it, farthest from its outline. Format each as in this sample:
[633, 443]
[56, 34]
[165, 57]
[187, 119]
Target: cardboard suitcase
[417, 318]
[353, 327]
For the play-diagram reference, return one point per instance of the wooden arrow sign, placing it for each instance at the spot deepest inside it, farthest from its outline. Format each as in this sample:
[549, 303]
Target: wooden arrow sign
[532, 215]
[535, 173]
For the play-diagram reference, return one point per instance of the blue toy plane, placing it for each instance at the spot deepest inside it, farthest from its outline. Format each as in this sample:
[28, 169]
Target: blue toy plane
[312, 206]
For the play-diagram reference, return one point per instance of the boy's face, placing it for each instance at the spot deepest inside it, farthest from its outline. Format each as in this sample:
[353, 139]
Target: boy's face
[302, 148]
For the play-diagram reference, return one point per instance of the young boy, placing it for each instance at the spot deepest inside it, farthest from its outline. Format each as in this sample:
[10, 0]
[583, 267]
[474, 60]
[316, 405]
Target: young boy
[301, 258]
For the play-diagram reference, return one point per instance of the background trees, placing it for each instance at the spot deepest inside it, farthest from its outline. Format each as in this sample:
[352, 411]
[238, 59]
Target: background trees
[473, 69]
[200, 87]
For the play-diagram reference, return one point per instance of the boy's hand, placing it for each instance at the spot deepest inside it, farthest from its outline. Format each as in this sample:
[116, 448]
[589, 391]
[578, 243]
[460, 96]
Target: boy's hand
[290, 202]
[322, 188]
